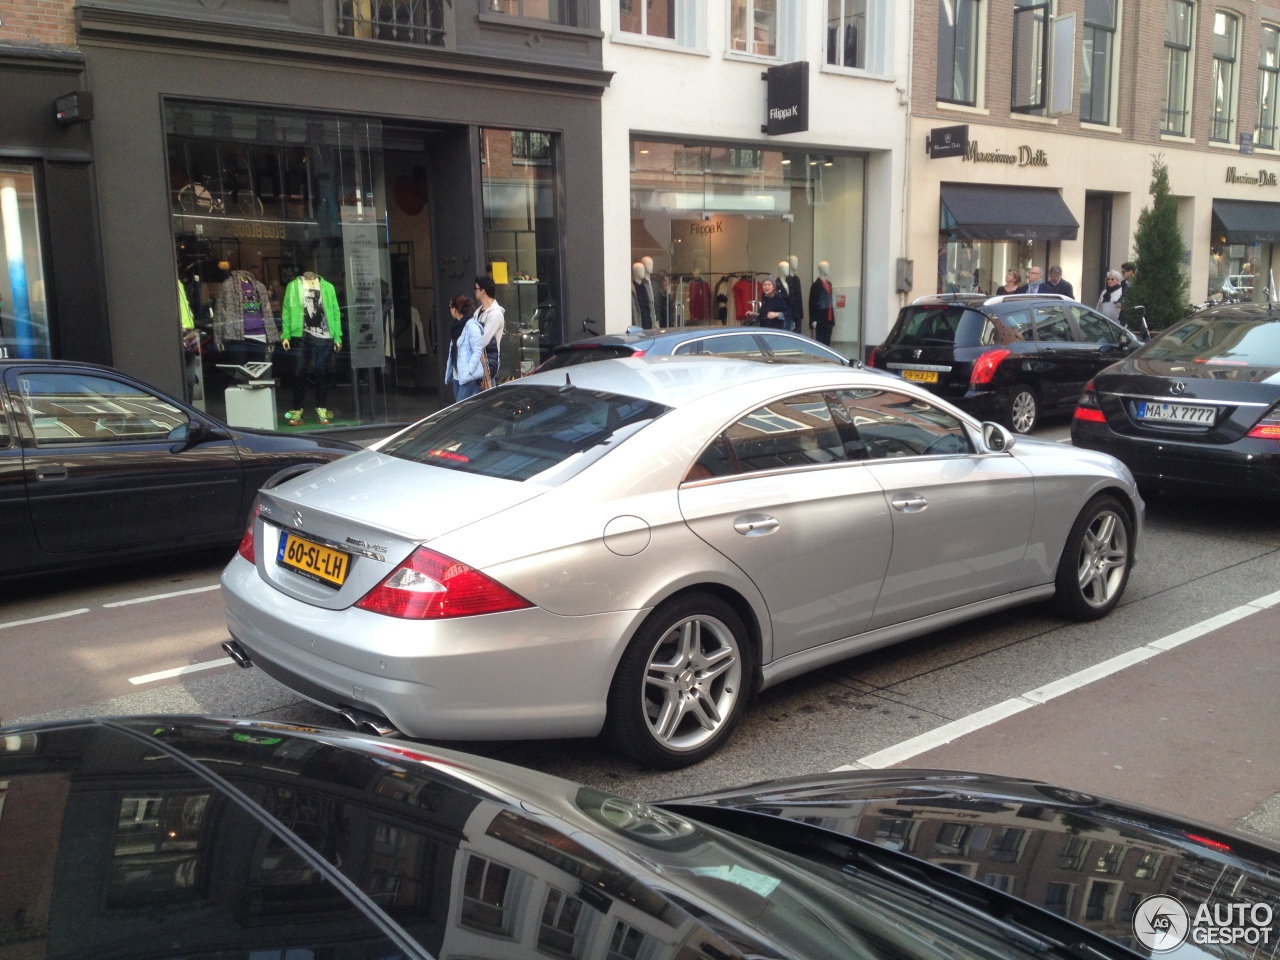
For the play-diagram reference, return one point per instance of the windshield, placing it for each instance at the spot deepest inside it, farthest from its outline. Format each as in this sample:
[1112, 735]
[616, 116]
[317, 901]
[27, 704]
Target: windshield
[1245, 342]
[521, 431]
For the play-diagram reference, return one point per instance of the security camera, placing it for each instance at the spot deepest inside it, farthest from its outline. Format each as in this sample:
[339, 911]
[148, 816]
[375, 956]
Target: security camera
[707, 216]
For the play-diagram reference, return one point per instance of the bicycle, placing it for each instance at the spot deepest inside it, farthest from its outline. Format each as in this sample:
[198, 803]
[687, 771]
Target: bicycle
[197, 198]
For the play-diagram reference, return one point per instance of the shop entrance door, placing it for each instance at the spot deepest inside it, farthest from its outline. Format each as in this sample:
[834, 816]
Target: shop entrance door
[1097, 246]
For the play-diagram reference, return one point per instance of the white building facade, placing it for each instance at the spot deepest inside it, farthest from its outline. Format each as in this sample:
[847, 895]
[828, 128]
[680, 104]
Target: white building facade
[709, 204]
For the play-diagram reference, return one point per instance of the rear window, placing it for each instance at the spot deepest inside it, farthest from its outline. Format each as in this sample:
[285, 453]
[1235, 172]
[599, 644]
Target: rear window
[1244, 342]
[573, 356]
[518, 432]
[929, 325]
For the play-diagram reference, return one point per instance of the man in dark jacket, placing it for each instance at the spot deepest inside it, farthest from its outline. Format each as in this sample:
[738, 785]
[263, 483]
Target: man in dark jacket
[1057, 285]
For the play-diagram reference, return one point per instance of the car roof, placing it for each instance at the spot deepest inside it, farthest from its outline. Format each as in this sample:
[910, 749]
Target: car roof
[1241, 311]
[677, 380]
[985, 301]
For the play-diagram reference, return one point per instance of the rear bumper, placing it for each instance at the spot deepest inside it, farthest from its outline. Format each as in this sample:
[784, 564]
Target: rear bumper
[1248, 467]
[520, 675]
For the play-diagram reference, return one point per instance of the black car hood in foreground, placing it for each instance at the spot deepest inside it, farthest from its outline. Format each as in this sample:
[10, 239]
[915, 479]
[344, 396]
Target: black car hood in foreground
[187, 837]
[1089, 859]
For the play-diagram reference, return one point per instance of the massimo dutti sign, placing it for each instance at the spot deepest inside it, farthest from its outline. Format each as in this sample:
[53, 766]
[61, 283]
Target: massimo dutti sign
[1025, 157]
[786, 99]
[1261, 179]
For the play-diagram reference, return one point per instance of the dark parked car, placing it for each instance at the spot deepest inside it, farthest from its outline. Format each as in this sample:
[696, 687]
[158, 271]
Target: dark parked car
[98, 467]
[1012, 358]
[1197, 408]
[743, 343]
[241, 840]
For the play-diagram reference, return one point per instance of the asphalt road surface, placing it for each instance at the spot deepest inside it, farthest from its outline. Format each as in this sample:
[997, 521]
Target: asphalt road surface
[146, 640]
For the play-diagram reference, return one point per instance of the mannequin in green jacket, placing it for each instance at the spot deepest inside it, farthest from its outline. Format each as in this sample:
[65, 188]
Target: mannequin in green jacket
[310, 314]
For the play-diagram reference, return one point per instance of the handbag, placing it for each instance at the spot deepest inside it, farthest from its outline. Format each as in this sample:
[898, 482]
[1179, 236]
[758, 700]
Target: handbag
[486, 381]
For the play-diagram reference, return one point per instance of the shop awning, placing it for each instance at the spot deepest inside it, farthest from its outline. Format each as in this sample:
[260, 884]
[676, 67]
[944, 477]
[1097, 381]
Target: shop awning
[1246, 221]
[981, 211]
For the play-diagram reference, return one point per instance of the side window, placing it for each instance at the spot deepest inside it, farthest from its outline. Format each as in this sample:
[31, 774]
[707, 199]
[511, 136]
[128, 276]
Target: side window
[1017, 325]
[798, 348]
[794, 432]
[730, 345]
[1095, 329]
[716, 461]
[1052, 325]
[6, 431]
[74, 408]
[894, 425]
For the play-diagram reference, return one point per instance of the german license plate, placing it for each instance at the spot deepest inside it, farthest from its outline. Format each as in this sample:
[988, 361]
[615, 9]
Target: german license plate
[920, 376]
[1176, 413]
[313, 560]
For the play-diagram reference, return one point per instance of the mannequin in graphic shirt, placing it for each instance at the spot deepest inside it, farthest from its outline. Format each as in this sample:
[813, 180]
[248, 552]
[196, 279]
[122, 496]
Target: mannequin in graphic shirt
[744, 293]
[641, 298]
[243, 325]
[699, 299]
[795, 293]
[657, 297]
[312, 331]
[822, 311]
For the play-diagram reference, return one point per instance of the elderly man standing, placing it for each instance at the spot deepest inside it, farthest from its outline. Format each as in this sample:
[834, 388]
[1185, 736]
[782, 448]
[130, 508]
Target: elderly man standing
[1033, 283]
[1057, 285]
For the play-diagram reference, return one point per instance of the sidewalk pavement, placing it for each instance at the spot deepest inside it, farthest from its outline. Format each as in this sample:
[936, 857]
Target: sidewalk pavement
[1194, 731]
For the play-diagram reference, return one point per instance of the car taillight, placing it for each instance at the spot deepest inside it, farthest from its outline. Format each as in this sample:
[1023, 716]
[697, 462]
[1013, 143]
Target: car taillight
[985, 368]
[1087, 407]
[871, 360]
[431, 586]
[639, 353]
[246, 542]
[1268, 428]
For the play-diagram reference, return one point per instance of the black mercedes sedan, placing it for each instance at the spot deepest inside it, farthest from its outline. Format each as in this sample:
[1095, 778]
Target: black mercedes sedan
[1197, 408]
[97, 467]
[189, 837]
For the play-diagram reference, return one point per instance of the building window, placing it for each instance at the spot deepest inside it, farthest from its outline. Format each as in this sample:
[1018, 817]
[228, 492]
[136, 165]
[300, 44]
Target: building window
[528, 146]
[763, 28]
[1030, 54]
[1001, 881]
[1110, 859]
[558, 931]
[1099, 57]
[1148, 866]
[676, 20]
[628, 943]
[894, 833]
[1175, 110]
[953, 838]
[487, 900]
[1268, 86]
[1057, 898]
[1226, 34]
[400, 21]
[1073, 854]
[568, 13]
[959, 38]
[24, 313]
[847, 33]
[1101, 901]
[1008, 844]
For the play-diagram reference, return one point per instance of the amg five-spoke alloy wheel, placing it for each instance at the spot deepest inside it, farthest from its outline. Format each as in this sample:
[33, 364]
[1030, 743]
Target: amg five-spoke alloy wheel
[1096, 560]
[682, 682]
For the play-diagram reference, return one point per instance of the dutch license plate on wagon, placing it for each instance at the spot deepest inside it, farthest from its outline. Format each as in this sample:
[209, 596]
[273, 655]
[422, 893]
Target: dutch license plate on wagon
[313, 560]
[1176, 413]
[920, 376]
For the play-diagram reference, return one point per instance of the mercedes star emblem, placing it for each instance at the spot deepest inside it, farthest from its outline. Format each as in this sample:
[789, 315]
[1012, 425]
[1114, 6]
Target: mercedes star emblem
[1177, 387]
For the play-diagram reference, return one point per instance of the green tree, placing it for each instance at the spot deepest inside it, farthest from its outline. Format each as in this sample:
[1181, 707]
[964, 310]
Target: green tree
[1159, 284]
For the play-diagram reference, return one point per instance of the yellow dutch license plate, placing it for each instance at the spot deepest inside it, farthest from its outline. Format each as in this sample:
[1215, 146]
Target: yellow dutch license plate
[920, 376]
[313, 560]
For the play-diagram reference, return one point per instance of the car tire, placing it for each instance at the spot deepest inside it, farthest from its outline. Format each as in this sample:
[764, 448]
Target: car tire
[1096, 560]
[1022, 408]
[682, 683]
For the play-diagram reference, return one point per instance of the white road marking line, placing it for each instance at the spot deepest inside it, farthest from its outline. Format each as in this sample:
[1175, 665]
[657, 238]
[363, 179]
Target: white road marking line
[52, 616]
[940, 736]
[179, 671]
[162, 596]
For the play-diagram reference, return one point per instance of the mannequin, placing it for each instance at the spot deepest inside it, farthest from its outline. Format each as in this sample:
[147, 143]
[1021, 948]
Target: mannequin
[641, 298]
[647, 263]
[822, 312]
[243, 324]
[699, 298]
[795, 294]
[311, 316]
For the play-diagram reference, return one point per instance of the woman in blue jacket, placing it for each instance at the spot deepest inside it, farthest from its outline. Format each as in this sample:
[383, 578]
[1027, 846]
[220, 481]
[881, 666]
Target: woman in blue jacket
[470, 360]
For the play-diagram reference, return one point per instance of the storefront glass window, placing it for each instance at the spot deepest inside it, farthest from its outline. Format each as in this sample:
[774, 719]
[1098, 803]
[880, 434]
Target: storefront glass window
[569, 13]
[24, 311]
[1240, 272]
[522, 242]
[709, 222]
[980, 266]
[281, 245]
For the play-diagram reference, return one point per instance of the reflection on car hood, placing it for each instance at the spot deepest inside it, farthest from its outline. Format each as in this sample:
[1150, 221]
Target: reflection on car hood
[1089, 859]
[416, 501]
[1189, 370]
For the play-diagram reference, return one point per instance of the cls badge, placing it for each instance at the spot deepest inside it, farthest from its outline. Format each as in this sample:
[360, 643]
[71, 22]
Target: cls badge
[1177, 387]
[297, 518]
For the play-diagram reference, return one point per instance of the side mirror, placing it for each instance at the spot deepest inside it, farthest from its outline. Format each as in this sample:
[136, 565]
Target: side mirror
[996, 438]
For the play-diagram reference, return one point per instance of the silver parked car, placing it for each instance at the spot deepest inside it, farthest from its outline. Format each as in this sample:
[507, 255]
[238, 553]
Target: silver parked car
[639, 545]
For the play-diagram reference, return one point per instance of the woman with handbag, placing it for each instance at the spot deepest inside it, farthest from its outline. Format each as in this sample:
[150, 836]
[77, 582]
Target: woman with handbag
[471, 368]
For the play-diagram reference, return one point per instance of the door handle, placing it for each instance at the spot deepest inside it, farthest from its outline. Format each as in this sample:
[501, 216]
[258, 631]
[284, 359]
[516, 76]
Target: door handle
[755, 524]
[52, 472]
[912, 505]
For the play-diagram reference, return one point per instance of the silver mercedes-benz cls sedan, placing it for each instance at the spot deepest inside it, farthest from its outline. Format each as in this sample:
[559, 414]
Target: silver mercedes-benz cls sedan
[638, 546]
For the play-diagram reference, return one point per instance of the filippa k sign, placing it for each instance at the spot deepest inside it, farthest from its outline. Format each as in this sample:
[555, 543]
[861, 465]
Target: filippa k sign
[786, 99]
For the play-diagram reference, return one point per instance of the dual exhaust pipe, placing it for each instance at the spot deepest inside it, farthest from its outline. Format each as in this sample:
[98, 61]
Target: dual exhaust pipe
[360, 720]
